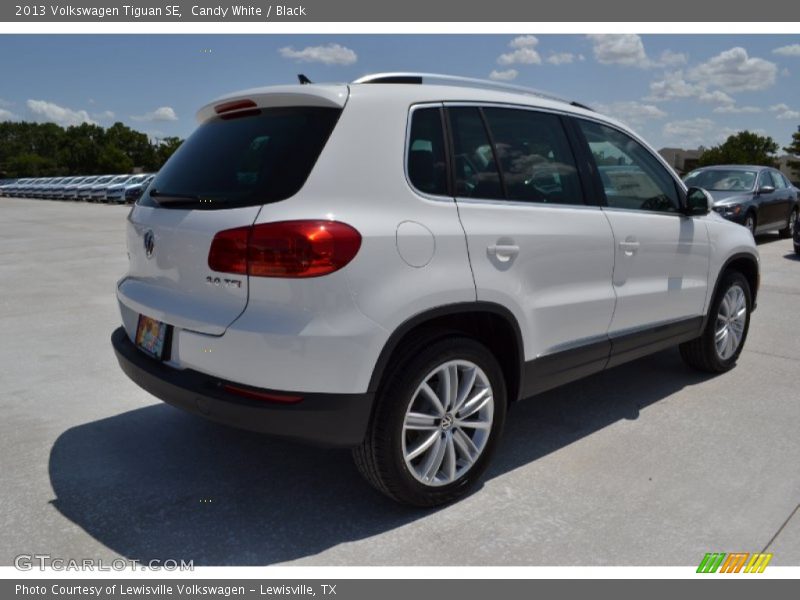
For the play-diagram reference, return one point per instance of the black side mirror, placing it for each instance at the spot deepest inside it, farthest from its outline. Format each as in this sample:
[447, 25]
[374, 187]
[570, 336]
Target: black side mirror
[698, 202]
[766, 189]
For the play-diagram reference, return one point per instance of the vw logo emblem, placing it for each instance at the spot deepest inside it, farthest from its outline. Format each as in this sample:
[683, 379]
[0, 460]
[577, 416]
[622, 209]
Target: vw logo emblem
[149, 243]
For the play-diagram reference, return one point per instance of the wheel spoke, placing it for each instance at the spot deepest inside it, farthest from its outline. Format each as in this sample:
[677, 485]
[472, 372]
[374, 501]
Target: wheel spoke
[476, 403]
[474, 424]
[435, 458]
[465, 387]
[465, 444]
[421, 421]
[424, 445]
[450, 458]
[432, 397]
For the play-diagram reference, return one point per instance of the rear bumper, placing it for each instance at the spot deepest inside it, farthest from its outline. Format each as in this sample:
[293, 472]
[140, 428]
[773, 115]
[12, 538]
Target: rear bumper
[337, 420]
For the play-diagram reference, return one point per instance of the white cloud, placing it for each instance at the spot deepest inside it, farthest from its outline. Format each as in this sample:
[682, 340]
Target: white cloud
[329, 54]
[561, 58]
[619, 49]
[581, 57]
[673, 87]
[7, 115]
[507, 75]
[690, 132]
[715, 97]
[732, 109]
[790, 50]
[162, 113]
[524, 52]
[524, 41]
[784, 113]
[669, 58]
[49, 111]
[734, 71]
[632, 112]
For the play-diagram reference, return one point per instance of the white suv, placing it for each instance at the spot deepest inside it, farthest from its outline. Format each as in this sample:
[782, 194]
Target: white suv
[388, 265]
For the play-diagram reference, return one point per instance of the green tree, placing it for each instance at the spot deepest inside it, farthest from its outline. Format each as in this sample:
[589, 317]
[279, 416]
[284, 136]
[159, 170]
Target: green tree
[794, 150]
[743, 148]
[164, 150]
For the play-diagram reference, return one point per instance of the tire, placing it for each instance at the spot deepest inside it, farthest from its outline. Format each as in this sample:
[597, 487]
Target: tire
[385, 457]
[703, 352]
[797, 249]
[788, 231]
[750, 222]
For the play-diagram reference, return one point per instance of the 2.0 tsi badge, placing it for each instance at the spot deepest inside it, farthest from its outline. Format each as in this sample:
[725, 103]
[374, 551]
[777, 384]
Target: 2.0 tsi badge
[149, 243]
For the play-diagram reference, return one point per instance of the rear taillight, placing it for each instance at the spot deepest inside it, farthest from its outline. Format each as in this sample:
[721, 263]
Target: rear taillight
[227, 107]
[284, 249]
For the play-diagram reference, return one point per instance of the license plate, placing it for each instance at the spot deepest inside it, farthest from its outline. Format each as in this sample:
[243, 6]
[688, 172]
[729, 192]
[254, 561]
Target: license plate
[152, 337]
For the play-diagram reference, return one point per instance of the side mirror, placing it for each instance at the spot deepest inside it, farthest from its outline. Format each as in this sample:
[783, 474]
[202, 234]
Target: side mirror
[766, 189]
[698, 202]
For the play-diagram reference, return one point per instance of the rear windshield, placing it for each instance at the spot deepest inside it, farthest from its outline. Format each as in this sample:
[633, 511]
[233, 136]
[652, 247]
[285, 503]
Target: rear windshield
[261, 157]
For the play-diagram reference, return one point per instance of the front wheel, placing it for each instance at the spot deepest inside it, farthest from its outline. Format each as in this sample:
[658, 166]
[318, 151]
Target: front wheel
[788, 231]
[750, 222]
[436, 423]
[722, 340]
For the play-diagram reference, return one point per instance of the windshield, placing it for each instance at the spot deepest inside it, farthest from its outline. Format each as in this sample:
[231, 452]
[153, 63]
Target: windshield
[722, 180]
[260, 157]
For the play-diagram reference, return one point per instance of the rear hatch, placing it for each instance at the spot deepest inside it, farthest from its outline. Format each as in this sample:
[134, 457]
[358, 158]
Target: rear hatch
[251, 149]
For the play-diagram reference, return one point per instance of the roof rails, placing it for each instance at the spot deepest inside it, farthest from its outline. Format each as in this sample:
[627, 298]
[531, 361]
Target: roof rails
[422, 78]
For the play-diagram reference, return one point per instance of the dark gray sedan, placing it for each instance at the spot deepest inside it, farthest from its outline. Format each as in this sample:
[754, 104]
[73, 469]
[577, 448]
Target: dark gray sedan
[760, 198]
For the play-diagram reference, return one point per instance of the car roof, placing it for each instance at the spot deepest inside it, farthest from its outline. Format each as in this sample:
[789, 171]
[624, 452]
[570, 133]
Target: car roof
[405, 94]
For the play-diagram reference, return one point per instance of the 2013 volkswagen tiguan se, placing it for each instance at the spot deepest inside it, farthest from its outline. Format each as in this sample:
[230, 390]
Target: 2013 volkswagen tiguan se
[388, 265]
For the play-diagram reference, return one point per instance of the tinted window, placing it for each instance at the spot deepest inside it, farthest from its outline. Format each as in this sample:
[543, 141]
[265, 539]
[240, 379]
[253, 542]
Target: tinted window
[764, 178]
[777, 180]
[427, 168]
[535, 158]
[263, 156]
[722, 180]
[476, 173]
[632, 177]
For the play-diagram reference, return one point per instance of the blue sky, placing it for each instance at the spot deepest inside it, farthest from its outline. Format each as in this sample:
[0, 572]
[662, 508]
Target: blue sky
[675, 90]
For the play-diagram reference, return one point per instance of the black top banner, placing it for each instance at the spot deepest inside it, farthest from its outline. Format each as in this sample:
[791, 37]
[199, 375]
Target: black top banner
[401, 11]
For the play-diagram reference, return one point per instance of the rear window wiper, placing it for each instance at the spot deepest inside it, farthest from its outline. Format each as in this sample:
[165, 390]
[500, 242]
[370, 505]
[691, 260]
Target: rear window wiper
[170, 199]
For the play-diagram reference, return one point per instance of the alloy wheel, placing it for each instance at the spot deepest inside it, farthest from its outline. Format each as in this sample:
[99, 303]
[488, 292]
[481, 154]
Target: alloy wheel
[731, 319]
[448, 423]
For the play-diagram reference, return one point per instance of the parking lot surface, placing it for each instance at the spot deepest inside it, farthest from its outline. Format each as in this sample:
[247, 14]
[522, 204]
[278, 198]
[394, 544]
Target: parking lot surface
[650, 463]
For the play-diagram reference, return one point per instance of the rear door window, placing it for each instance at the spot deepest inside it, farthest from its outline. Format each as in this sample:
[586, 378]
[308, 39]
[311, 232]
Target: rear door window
[535, 157]
[260, 157]
[476, 174]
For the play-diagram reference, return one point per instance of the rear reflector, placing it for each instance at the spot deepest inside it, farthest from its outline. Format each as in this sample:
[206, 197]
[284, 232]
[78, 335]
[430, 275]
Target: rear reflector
[257, 395]
[285, 249]
[233, 105]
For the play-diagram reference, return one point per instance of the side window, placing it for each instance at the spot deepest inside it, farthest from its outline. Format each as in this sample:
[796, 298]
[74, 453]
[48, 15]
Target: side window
[535, 158]
[764, 178]
[476, 174]
[777, 180]
[427, 168]
[632, 177]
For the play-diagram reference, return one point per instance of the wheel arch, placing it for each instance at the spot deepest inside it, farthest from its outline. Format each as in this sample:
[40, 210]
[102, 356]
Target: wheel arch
[746, 264]
[491, 324]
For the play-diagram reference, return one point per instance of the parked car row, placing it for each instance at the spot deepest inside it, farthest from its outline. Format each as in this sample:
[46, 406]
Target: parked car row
[93, 188]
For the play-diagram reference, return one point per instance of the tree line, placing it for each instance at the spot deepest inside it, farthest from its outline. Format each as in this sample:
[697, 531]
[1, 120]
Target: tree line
[748, 148]
[50, 150]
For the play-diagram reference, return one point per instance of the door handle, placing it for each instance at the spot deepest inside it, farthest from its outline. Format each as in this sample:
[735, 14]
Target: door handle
[629, 247]
[503, 252]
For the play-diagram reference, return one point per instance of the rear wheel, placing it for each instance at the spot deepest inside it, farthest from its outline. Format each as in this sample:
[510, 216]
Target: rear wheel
[436, 422]
[788, 231]
[722, 340]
